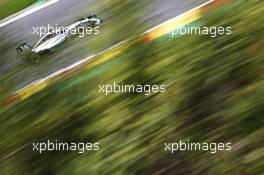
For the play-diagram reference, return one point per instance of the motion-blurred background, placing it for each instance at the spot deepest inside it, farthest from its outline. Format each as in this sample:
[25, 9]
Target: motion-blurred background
[214, 91]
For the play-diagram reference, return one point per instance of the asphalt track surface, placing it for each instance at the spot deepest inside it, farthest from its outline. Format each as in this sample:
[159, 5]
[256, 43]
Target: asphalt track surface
[64, 12]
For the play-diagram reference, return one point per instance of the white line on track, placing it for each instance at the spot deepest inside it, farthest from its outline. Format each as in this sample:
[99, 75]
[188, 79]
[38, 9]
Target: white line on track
[72, 66]
[176, 17]
[24, 13]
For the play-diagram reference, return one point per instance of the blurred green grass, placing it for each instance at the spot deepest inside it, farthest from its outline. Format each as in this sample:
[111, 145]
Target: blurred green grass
[214, 92]
[9, 7]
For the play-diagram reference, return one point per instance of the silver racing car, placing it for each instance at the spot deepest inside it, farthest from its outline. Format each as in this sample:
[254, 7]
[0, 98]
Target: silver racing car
[54, 38]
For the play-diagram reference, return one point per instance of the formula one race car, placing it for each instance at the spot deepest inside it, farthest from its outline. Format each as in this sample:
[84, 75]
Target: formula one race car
[54, 38]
